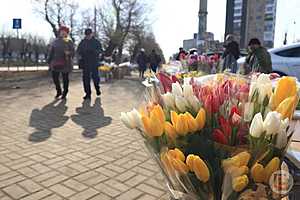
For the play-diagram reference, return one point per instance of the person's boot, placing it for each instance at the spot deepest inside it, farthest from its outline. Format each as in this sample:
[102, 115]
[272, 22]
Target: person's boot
[58, 94]
[64, 96]
[87, 97]
[98, 92]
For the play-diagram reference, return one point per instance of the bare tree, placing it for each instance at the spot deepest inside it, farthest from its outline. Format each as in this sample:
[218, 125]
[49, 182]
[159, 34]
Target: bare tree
[57, 13]
[117, 18]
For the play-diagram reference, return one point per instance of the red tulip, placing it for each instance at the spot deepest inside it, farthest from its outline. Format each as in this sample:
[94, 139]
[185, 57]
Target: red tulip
[219, 136]
[165, 81]
[225, 126]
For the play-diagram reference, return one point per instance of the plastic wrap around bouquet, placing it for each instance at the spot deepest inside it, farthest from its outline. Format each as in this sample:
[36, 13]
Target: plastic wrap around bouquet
[219, 137]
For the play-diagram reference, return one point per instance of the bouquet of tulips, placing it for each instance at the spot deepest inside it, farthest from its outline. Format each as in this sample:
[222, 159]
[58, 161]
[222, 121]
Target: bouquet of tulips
[217, 137]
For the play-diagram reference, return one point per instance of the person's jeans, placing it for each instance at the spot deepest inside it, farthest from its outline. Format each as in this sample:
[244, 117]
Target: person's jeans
[65, 76]
[88, 73]
[154, 68]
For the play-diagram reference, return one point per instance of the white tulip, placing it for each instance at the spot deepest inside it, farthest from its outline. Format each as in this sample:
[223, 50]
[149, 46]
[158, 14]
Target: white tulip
[257, 126]
[281, 140]
[169, 100]
[272, 123]
[181, 103]
[263, 78]
[188, 90]
[265, 90]
[137, 118]
[124, 118]
[248, 113]
[194, 103]
[176, 89]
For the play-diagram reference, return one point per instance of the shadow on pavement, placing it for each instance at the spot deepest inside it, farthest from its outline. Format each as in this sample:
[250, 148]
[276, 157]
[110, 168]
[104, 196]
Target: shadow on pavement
[90, 118]
[44, 120]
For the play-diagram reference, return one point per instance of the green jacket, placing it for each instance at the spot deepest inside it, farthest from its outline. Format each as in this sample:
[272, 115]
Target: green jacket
[259, 60]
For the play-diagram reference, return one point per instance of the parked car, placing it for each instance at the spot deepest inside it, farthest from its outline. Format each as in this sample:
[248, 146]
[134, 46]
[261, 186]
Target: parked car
[285, 60]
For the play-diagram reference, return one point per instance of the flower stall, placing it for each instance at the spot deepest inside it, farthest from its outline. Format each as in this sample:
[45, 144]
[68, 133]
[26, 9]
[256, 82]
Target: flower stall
[219, 136]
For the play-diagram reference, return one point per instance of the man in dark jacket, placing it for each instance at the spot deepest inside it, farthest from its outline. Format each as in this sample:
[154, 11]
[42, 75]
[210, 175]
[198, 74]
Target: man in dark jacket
[89, 50]
[154, 60]
[142, 61]
[258, 59]
[231, 54]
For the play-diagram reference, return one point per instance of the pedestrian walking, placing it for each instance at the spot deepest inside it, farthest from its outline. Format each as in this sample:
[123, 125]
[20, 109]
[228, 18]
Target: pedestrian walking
[154, 60]
[142, 61]
[89, 50]
[258, 59]
[60, 60]
[231, 54]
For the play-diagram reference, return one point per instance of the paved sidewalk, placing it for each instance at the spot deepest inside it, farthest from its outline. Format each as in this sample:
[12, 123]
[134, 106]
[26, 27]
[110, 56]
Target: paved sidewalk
[72, 149]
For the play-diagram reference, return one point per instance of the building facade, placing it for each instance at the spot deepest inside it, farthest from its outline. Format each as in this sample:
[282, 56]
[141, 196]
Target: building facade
[247, 19]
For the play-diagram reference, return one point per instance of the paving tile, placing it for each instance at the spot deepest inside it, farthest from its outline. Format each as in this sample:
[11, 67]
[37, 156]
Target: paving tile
[15, 191]
[38, 195]
[30, 186]
[150, 190]
[62, 190]
[129, 195]
[75, 185]
[86, 194]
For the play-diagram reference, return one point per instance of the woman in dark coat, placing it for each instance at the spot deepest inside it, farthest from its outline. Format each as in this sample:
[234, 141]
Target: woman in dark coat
[61, 61]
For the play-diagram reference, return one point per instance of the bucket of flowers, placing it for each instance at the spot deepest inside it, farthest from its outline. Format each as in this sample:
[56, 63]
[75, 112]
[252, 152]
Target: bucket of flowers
[219, 137]
[105, 73]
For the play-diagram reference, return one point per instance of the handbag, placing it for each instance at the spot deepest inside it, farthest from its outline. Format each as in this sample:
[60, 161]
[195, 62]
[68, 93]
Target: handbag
[58, 63]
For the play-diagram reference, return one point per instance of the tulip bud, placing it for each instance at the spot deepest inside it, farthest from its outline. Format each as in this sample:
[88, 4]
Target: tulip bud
[190, 161]
[159, 113]
[124, 118]
[188, 90]
[192, 123]
[194, 103]
[174, 117]
[240, 183]
[180, 166]
[243, 158]
[170, 131]
[286, 87]
[272, 123]
[169, 100]
[201, 118]
[287, 107]
[258, 173]
[237, 171]
[176, 89]
[271, 167]
[137, 118]
[181, 103]
[181, 125]
[219, 136]
[201, 170]
[177, 154]
[153, 126]
[257, 127]
[249, 111]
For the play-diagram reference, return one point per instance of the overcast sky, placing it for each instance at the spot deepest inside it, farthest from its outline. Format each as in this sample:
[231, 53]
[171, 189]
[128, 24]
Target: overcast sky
[173, 20]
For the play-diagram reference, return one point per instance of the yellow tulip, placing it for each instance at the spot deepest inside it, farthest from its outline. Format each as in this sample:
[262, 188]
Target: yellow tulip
[170, 130]
[181, 125]
[287, 107]
[166, 161]
[243, 158]
[180, 166]
[177, 154]
[174, 117]
[190, 161]
[271, 167]
[192, 123]
[258, 173]
[200, 169]
[152, 125]
[159, 113]
[239, 183]
[226, 164]
[201, 118]
[286, 87]
[237, 171]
